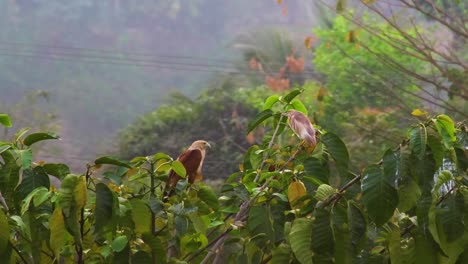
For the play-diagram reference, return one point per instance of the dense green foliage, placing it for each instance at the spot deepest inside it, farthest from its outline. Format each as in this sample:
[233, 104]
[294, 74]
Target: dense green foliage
[284, 205]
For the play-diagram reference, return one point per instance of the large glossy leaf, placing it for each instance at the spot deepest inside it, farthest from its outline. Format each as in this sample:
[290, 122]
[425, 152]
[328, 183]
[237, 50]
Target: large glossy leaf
[109, 160]
[9, 177]
[408, 189]
[337, 150]
[394, 245]
[444, 177]
[281, 254]
[179, 168]
[158, 250]
[119, 243]
[25, 158]
[435, 144]
[418, 140]
[323, 242]
[104, 206]
[379, 195]
[208, 196]
[324, 191]
[141, 216]
[343, 246]
[5, 120]
[58, 170]
[446, 128]
[264, 115]
[449, 216]
[300, 239]
[425, 248]
[259, 224]
[57, 231]
[317, 168]
[4, 232]
[36, 137]
[357, 225]
[270, 101]
[32, 179]
[40, 191]
[291, 95]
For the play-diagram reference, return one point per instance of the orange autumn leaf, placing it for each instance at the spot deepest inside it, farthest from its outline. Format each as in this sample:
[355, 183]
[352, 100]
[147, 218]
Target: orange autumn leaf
[250, 138]
[277, 84]
[284, 10]
[295, 65]
[279, 2]
[308, 41]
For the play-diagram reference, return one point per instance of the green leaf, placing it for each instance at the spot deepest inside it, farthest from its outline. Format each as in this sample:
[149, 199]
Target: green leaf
[104, 206]
[449, 216]
[208, 196]
[281, 254]
[299, 106]
[264, 115]
[40, 191]
[21, 133]
[342, 236]
[291, 95]
[161, 156]
[260, 226]
[390, 165]
[324, 191]
[418, 140]
[5, 120]
[158, 251]
[25, 156]
[300, 239]
[58, 170]
[270, 101]
[408, 193]
[109, 160]
[141, 216]
[357, 225]
[316, 168]
[9, 177]
[435, 144]
[446, 128]
[4, 232]
[379, 195]
[191, 243]
[444, 177]
[322, 235]
[57, 231]
[179, 168]
[36, 137]
[4, 148]
[337, 150]
[394, 245]
[119, 243]
[32, 179]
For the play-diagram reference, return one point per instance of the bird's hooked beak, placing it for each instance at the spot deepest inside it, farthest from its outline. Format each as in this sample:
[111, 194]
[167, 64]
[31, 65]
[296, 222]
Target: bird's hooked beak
[208, 145]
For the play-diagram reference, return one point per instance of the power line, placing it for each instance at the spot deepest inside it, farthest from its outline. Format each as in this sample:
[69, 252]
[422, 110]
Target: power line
[137, 56]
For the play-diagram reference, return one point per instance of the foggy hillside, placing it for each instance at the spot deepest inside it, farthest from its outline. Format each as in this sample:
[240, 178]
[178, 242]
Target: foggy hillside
[105, 62]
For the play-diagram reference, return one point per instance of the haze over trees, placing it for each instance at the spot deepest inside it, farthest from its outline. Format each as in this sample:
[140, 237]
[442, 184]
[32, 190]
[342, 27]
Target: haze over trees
[384, 84]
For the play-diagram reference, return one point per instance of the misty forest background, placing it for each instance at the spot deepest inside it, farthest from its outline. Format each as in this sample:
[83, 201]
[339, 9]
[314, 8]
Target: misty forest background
[133, 78]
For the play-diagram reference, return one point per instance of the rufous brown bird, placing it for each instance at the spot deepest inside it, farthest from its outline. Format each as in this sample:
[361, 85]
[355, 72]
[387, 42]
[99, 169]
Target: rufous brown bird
[303, 128]
[192, 159]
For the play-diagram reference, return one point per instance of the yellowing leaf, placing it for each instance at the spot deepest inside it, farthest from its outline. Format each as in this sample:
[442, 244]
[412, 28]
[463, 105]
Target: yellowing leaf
[419, 112]
[80, 193]
[279, 2]
[352, 36]
[308, 42]
[57, 231]
[340, 6]
[295, 191]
